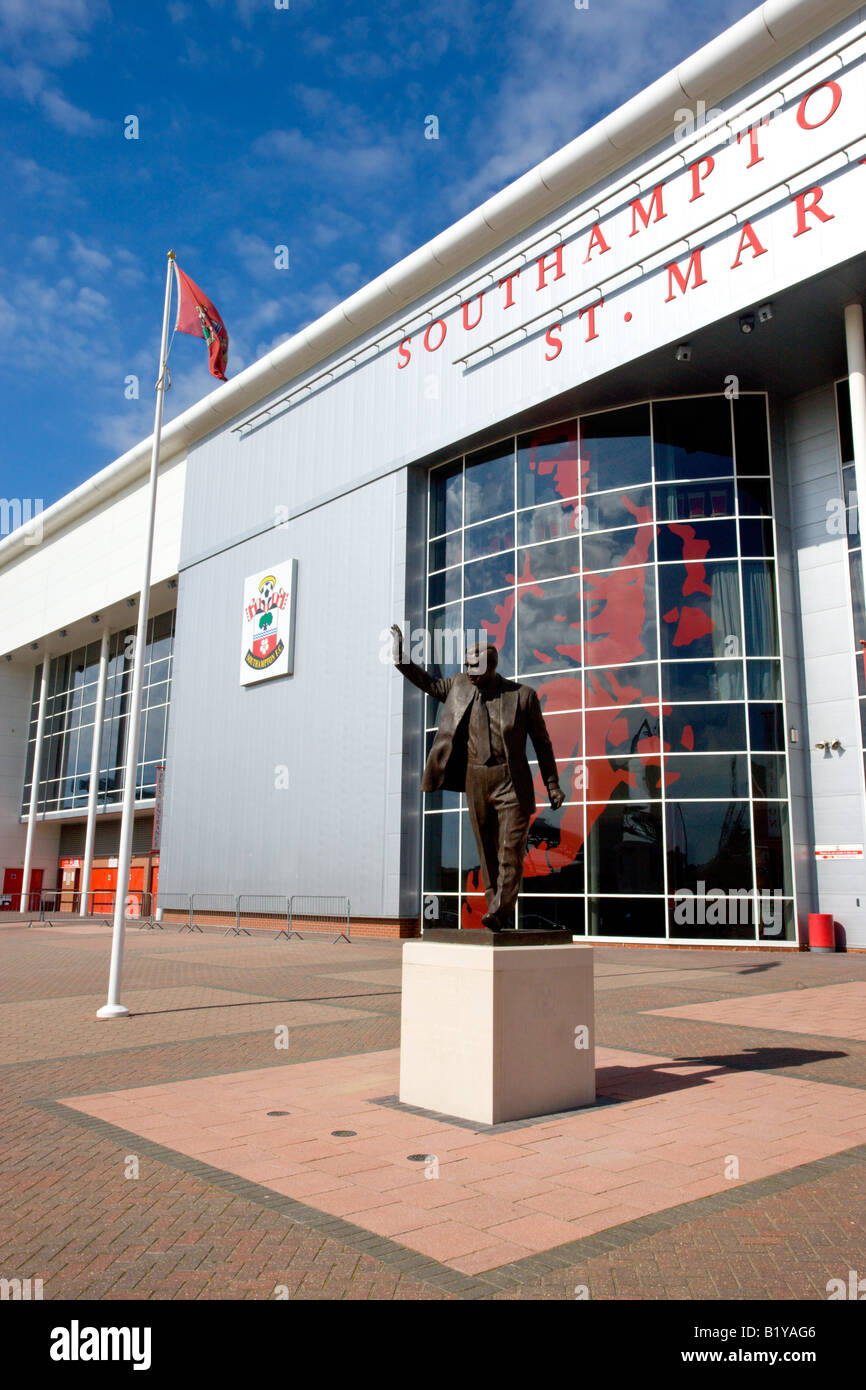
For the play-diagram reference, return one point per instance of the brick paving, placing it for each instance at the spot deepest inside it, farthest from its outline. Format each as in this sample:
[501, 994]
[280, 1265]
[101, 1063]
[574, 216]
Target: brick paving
[701, 1055]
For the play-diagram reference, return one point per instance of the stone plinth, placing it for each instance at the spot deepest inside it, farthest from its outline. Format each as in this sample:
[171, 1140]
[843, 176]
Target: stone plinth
[488, 1034]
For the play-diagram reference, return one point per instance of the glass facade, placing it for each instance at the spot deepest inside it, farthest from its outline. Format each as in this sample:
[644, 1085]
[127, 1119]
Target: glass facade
[70, 720]
[849, 516]
[623, 563]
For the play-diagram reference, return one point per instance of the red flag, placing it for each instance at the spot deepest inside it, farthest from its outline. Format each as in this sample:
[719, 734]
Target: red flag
[197, 316]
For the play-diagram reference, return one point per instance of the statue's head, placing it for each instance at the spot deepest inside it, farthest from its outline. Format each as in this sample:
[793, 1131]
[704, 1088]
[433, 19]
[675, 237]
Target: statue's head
[481, 662]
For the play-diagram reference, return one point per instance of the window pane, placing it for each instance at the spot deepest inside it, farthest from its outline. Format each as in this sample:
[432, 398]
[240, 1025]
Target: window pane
[630, 730]
[702, 680]
[615, 448]
[709, 846]
[444, 587]
[625, 850]
[604, 550]
[764, 680]
[750, 434]
[718, 728]
[622, 779]
[490, 482]
[609, 509]
[490, 619]
[766, 727]
[623, 685]
[549, 561]
[554, 852]
[490, 539]
[707, 540]
[772, 851]
[756, 536]
[552, 914]
[692, 438]
[691, 501]
[699, 776]
[753, 497]
[619, 616]
[496, 572]
[768, 775]
[441, 846]
[446, 498]
[547, 464]
[627, 917]
[700, 609]
[549, 626]
[759, 604]
[447, 551]
[548, 523]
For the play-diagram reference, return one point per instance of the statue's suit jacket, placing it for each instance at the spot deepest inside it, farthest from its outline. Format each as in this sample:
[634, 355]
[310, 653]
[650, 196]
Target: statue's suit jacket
[521, 717]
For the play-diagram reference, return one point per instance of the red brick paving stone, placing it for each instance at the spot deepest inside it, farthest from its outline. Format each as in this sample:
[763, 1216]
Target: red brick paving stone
[398, 1219]
[537, 1232]
[833, 1011]
[448, 1240]
[63, 1197]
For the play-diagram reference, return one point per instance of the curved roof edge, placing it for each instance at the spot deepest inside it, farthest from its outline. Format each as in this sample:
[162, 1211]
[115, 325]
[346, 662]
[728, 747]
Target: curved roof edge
[730, 60]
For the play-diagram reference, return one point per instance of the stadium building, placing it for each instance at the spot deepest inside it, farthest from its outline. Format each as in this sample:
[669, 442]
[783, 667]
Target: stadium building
[615, 419]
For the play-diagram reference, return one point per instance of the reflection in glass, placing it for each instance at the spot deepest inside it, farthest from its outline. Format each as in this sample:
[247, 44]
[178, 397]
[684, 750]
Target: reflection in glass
[621, 779]
[696, 775]
[549, 561]
[551, 914]
[700, 609]
[446, 551]
[549, 626]
[759, 605]
[490, 482]
[772, 846]
[750, 434]
[548, 523]
[626, 917]
[692, 438]
[444, 587]
[766, 727]
[718, 728]
[694, 501]
[490, 538]
[713, 540]
[709, 846]
[769, 778]
[624, 853]
[702, 680]
[764, 680]
[446, 498]
[441, 848]
[615, 448]
[482, 616]
[494, 572]
[547, 464]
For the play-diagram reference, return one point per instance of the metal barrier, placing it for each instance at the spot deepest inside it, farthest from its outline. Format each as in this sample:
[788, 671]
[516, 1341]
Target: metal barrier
[328, 912]
[177, 905]
[214, 905]
[98, 903]
[261, 910]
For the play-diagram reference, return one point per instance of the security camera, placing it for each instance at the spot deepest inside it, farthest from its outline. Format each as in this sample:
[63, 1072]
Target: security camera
[747, 323]
[684, 352]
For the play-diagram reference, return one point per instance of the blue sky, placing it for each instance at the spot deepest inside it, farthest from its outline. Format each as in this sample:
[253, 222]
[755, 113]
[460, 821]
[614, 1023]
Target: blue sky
[259, 127]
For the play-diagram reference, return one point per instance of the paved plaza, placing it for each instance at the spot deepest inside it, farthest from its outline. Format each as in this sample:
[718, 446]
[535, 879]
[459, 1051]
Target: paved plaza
[240, 1135]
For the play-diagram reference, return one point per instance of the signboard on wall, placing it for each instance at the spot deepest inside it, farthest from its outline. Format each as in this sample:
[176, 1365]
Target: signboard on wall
[268, 626]
[838, 851]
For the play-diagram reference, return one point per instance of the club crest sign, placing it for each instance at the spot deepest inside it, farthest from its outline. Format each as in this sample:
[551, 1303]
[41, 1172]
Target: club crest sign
[267, 643]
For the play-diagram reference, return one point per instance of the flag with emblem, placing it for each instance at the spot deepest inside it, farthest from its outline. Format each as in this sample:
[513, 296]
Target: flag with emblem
[197, 316]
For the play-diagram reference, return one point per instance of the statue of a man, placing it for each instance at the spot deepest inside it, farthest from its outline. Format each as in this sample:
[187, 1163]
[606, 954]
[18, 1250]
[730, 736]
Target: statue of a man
[480, 749]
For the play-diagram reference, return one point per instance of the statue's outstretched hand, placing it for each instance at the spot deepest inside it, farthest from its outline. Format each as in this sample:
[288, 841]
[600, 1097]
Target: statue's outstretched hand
[397, 649]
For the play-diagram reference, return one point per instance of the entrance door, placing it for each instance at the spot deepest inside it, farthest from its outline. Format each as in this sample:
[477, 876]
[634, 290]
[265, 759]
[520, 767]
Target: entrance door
[102, 883]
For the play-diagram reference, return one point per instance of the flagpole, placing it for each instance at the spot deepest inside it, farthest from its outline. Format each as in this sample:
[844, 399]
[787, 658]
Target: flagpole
[113, 1007]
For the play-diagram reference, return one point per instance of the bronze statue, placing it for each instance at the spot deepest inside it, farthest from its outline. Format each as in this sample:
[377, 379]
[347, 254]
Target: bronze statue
[480, 749]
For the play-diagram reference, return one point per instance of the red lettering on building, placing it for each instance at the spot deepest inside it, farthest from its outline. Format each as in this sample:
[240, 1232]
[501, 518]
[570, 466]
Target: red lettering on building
[509, 293]
[404, 353]
[466, 324]
[596, 239]
[698, 178]
[752, 132]
[836, 96]
[555, 343]
[654, 211]
[443, 326]
[674, 272]
[748, 236]
[544, 269]
[589, 310]
[816, 194]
